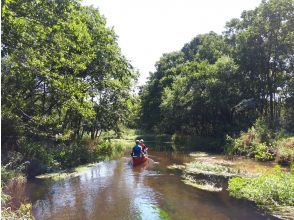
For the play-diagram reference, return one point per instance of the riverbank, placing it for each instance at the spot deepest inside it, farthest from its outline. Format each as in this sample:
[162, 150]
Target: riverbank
[15, 204]
[265, 183]
[205, 171]
[273, 191]
[114, 190]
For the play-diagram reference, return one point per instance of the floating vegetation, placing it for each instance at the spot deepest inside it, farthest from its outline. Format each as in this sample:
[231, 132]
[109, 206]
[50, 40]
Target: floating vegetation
[199, 154]
[176, 167]
[66, 173]
[200, 167]
[201, 184]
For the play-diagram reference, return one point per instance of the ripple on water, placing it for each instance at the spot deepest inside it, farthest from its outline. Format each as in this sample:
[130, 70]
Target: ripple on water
[116, 190]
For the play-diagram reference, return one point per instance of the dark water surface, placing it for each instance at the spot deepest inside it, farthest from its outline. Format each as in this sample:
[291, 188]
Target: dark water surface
[116, 190]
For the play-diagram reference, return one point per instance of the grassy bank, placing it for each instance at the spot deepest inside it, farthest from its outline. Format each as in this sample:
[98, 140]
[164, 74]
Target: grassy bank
[76, 161]
[58, 161]
[273, 191]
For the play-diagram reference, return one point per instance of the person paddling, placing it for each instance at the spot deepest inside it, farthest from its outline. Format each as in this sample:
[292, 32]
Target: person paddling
[137, 150]
[143, 146]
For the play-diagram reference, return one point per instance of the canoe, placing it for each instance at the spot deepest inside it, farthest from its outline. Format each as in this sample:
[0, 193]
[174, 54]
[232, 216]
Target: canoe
[139, 160]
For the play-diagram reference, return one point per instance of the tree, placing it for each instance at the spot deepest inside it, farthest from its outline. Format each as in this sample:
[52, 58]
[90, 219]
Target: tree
[61, 69]
[264, 50]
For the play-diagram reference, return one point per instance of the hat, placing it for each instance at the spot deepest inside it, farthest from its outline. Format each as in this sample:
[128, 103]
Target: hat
[141, 140]
[137, 141]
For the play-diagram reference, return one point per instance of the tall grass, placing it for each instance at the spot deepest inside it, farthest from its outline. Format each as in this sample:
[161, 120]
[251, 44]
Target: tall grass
[14, 203]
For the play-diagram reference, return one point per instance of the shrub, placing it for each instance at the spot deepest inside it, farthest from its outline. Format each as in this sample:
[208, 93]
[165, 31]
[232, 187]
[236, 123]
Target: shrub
[86, 151]
[274, 188]
[14, 204]
[74, 155]
[109, 149]
[255, 143]
[265, 134]
[32, 150]
[285, 150]
[12, 166]
[261, 152]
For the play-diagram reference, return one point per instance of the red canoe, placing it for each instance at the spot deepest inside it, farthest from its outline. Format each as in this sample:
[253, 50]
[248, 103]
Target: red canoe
[139, 160]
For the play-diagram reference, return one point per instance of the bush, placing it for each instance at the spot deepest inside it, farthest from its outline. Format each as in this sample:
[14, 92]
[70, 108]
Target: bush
[285, 150]
[265, 135]
[274, 188]
[37, 150]
[83, 152]
[14, 204]
[12, 166]
[110, 149]
[74, 155]
[262, 152]
[255, 143]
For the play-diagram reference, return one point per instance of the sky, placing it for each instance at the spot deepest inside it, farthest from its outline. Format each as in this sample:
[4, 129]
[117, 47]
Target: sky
[148, 28]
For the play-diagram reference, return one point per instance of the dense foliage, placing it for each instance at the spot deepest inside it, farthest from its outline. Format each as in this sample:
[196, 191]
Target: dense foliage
[219, 84]
[263, 144]
[63, 76]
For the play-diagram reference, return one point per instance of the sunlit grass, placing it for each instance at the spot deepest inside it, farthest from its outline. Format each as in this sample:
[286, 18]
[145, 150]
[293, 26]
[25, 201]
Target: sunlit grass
[203, 185]
[66, 173]
[210, 168]
[199, 154]
[273, 190]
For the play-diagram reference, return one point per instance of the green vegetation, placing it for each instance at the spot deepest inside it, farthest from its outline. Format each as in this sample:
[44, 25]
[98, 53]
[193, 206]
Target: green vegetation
[285, 150]
[14, 204]
[204, 185]
[204, 172]
[263, 144]
[209, 168]
[220, 84]
[64, 82]
[250, 144]
[273, 190]
[67, 95]
[23, 213]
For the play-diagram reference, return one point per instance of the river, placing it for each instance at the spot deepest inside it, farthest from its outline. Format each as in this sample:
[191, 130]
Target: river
[115, 190]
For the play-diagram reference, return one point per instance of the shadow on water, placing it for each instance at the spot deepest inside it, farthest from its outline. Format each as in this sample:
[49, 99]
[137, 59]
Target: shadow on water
[116, 190]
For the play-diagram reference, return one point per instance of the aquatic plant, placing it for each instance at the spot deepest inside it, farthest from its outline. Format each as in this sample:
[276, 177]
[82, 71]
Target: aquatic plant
[210, 168]
[204, 185]
[274, 190]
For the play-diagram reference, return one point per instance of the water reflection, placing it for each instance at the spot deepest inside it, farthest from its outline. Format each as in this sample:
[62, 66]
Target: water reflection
[116, 190]
[111, 190]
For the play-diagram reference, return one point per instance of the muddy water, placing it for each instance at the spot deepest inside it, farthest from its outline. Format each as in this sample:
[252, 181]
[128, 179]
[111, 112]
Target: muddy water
[116, 190]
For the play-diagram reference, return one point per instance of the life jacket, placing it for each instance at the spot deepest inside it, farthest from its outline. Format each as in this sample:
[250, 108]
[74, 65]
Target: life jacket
[137, 150]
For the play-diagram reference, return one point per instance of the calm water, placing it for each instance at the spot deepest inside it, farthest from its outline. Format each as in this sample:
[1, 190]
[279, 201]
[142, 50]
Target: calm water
[116, 190]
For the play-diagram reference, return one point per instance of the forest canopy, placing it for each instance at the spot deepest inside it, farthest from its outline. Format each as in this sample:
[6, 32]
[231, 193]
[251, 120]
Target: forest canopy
[63, 73]
[219, 84]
